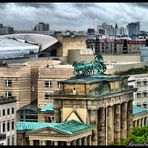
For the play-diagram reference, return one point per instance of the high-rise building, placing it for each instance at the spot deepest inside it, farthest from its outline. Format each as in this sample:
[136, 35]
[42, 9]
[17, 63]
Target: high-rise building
[41, 27]
[6, 30]
[133, 29]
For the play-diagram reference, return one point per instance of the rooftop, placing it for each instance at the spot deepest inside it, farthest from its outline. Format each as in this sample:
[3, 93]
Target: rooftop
[5, 100]
[12, 44]
[94, 78]
[47, 107]
[44, 40]
[139, 110]
[68, 127]
[31, 106]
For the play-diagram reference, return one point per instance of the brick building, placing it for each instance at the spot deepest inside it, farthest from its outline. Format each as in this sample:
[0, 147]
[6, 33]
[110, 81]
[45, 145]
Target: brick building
[116, 46]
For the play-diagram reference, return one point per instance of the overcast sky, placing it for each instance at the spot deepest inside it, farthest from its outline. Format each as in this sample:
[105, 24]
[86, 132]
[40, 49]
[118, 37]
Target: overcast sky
[75, 16]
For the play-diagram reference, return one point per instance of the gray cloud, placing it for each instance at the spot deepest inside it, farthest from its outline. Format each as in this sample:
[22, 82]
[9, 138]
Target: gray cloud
[36, 5]
[75, 16]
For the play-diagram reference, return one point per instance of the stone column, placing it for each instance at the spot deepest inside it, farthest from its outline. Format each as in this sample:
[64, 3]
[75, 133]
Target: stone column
[110, 125]
[57, 110]
[93, 121]
[124, 120]
[146, 121]
[31, 142]
[85, 140]
[129, 117]
[68, 143]
[79, 142]
[55, 143]
[117, 123]
[135, 123]
[43, 142]
[89, 140]
[57, 114]
[73, 142]
[101, 126]
[143, 122]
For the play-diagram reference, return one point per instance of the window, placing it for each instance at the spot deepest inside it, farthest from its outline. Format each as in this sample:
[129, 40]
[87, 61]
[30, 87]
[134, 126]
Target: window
[145, 93]
[48, 84]
[48, 119]
[8, 94]
[3, 126]
[145, 82]
[8, 111]
[3, 112]
[8, 140]
[138, 95]
[12, 125]
[8, 126]
[12, 140]
[58, 84]
[138, 83]
[12, 110]
[47, 95]
[8, 83]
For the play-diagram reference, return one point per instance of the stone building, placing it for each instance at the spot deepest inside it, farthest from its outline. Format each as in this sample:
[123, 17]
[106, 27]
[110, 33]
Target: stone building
[15, 81]
[70, 42]
[54, 134]
[48, 81]
[102, 100]
[8, 120]
[44, 77]
[140, 81]
[140, 116]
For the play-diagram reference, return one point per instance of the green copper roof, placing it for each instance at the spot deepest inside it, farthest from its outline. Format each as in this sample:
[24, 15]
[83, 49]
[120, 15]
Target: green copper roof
[68, 127]
[31, 106]
[94, 78]
[139, 110]
[71, 127]
[30, 126]
[47, 107]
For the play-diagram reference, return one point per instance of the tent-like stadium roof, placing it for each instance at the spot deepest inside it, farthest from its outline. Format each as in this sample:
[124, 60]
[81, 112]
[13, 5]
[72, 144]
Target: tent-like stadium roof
[44, 40]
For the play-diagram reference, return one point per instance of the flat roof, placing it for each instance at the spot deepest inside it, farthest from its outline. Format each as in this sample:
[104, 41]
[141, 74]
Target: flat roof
[94, 78]
[139, 110]
[44, 40]
[11, 44]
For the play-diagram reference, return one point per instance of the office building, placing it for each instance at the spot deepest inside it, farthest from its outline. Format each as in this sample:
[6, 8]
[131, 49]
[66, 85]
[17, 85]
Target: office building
[133, 30]
[7, 120]
[41, 27]
[140, 81]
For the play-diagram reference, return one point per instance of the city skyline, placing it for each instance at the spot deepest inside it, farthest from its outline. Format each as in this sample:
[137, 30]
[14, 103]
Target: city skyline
[72, 16]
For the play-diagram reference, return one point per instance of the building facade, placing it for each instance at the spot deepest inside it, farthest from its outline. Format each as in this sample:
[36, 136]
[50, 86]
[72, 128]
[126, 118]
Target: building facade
[116, 46]
[8, 120]
[140, 116]
[140, 81]
[15, 81]
[98, 100]
[69, 133]
[133, 29]
[48, 81]
[41, 27]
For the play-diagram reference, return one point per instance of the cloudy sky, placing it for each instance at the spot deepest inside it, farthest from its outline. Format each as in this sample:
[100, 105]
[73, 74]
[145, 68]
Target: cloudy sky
[75, 16]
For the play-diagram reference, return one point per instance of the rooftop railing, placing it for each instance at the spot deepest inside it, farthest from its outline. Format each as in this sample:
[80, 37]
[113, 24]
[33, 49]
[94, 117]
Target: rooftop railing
[4, 99]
